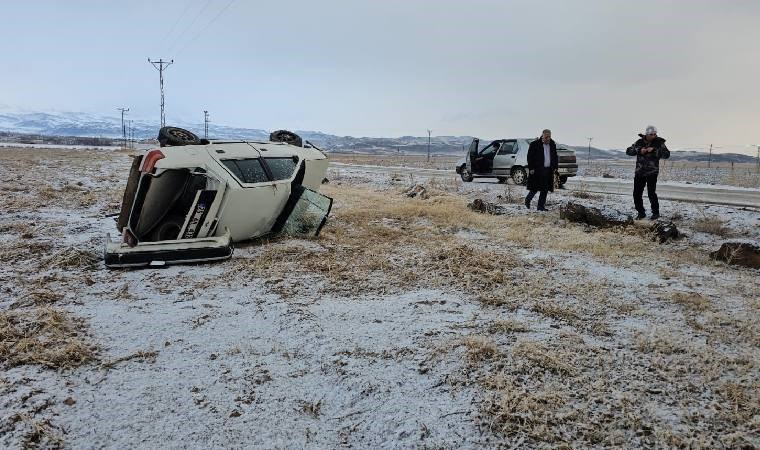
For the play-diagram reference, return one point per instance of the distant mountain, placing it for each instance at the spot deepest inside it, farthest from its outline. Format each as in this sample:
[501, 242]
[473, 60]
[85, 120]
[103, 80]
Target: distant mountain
[109, 127]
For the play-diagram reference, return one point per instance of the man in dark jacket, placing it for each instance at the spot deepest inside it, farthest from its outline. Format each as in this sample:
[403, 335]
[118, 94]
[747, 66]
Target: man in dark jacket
[648, 150]
[542, 163]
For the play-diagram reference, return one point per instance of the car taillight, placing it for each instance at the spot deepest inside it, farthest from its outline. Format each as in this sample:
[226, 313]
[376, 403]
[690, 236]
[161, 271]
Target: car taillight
[150, 160]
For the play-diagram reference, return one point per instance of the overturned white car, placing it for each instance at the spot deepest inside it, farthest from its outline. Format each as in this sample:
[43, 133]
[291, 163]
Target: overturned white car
[190, 199]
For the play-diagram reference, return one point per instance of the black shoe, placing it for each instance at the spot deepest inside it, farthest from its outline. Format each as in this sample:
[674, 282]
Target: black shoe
[641, 215]
[541, 209]
[655, 216]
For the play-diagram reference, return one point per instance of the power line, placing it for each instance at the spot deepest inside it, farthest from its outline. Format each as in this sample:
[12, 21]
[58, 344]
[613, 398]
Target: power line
[202, 30]
[178, 39]
[160, 65]
[123, 128]
[176, 22]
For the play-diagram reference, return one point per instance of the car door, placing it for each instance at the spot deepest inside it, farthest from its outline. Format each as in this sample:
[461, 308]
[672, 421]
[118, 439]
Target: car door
[472, 152]
[505, 157]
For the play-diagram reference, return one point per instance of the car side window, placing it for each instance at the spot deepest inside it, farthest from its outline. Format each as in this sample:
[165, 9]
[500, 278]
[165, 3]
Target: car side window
[281, 168]
[508, 148]
[247, 170]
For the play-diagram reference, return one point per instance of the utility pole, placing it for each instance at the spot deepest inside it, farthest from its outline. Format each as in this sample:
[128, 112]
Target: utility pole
[589, 151]
[429, 132]
[131, 135]
[123, 128]
[205, 124]
[709, 158]
[160, 65]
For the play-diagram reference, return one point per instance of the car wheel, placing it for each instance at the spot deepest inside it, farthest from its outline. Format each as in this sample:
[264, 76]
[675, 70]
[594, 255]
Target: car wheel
[502, 180]
[562, 179]
[519, 176]
[169, 229]
[466, 175]
[173, 136]
[287, 137]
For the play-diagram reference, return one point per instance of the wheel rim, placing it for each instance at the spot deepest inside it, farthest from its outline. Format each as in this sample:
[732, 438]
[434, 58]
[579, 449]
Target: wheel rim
[180, 135]
[518, 176]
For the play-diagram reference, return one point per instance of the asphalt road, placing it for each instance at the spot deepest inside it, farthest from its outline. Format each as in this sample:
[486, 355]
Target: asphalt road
[718, 195]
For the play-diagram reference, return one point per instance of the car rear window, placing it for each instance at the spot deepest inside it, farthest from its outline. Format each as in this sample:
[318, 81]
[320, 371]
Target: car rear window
[281, 168]
[246, 170]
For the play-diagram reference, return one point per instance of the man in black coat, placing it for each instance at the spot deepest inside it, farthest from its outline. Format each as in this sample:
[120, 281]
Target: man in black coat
[648, 150]
[542, 163]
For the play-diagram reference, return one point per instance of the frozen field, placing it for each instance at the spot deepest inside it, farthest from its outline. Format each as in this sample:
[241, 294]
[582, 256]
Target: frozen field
[409, 323]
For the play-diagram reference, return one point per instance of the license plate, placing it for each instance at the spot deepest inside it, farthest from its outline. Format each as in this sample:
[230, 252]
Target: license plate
[563, 171]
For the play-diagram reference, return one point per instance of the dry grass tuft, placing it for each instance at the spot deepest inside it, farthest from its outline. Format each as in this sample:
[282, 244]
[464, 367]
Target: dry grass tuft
[691, 300]
[480, 348]
[517, 411]
[504, 326]
[660, 341]
[711, 225]
[38, 434]
[556, 310]
[43, 336]
[38, 297]
[71, 258]
[544, 357]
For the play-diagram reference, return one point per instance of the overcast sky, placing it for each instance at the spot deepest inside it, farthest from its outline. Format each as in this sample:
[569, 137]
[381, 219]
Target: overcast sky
[489, 68]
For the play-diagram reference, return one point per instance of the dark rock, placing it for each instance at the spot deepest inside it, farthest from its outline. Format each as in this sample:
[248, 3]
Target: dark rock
[325, 180]
[606, 218]
[665, 230]
[481, 206]
[739, 253]
[606, 175]
[417, 191]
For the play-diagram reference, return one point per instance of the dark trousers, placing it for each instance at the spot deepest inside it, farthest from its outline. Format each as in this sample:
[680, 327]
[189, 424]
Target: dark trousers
[650, 181]
[544, 177]
[541, 198]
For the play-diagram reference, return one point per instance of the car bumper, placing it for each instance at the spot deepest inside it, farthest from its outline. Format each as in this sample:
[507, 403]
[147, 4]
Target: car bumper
[162, 253]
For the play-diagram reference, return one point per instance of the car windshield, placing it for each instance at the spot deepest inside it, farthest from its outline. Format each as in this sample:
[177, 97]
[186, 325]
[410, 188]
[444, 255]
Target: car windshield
[309, 213]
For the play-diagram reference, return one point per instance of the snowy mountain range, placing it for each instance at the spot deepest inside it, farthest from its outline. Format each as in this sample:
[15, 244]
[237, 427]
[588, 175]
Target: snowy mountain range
[92, 125]
[95, 125]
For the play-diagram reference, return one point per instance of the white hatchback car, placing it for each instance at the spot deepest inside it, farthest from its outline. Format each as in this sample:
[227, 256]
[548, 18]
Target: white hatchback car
[190, 199]
[508, 158]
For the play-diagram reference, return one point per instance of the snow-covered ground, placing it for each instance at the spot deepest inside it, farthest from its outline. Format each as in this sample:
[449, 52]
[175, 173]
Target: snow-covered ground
[410, 323]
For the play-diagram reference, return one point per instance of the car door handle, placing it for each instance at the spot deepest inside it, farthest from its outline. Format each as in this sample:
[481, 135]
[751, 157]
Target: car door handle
[513, 156]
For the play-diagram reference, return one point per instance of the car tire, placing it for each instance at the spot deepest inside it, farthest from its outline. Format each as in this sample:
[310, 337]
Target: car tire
[174, 136]
[287, 137]
[519, 176]
[502, 180]
[466, 176]
[168, 229]
[562, 179]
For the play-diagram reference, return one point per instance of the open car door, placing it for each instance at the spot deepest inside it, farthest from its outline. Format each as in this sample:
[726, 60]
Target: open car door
[472, 153]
